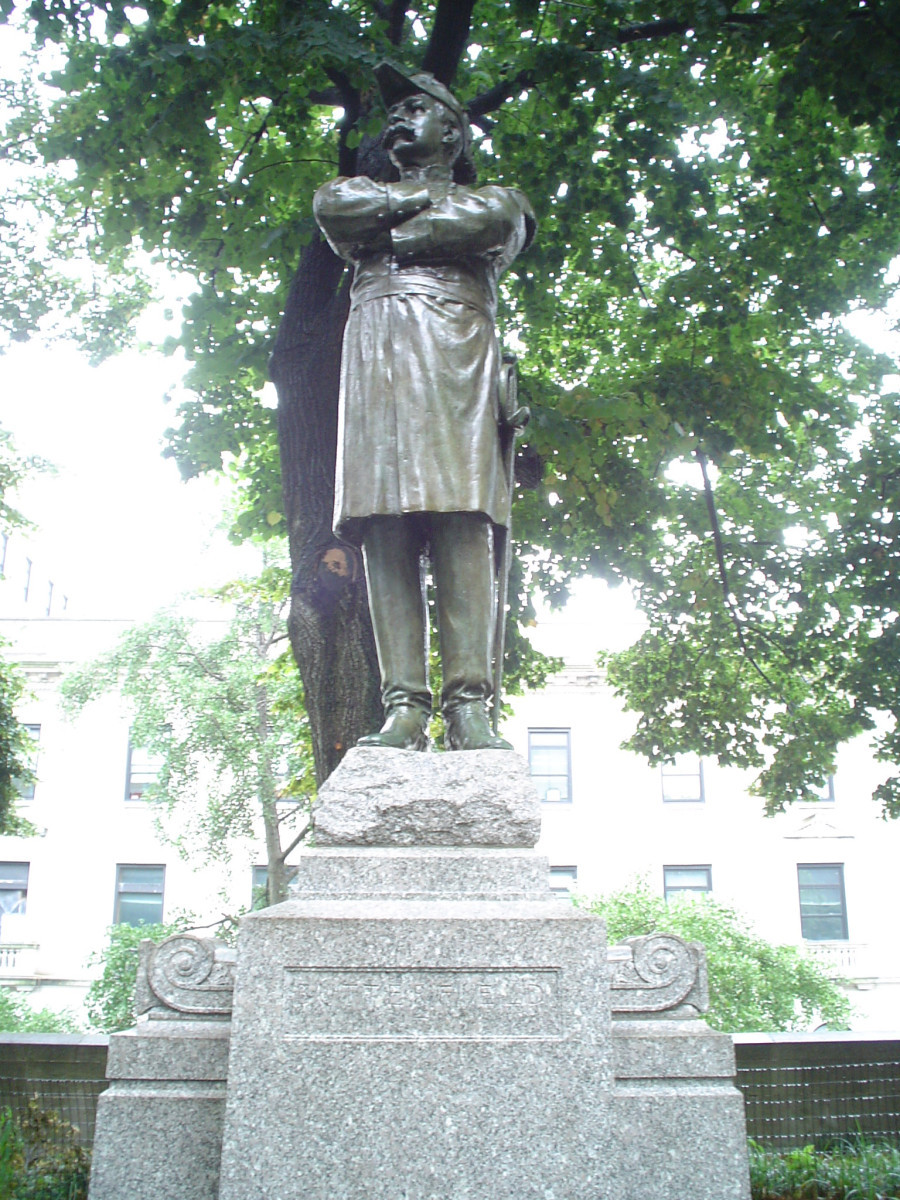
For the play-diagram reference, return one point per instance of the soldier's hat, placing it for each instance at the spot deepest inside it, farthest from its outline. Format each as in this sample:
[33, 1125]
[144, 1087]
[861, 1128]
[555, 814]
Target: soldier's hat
[395, 85]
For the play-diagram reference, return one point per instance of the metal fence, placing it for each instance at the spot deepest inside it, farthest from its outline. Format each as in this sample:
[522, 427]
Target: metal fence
[801, 1089]
[65, 1073]
[798, 1088]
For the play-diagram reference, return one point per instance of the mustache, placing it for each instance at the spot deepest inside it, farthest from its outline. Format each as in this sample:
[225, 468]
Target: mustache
[396, 130]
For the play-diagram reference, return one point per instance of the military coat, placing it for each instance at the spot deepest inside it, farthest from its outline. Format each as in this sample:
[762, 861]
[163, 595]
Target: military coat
[419, 404]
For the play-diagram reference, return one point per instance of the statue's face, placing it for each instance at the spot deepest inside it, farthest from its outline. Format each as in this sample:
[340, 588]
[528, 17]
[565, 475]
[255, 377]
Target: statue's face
[416, 129]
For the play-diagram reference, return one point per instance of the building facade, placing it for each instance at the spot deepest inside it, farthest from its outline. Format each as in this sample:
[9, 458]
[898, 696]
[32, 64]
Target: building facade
[820, 876]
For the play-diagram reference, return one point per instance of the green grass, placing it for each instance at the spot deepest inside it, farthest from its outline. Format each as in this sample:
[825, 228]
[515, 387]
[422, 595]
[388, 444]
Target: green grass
[852, 1170]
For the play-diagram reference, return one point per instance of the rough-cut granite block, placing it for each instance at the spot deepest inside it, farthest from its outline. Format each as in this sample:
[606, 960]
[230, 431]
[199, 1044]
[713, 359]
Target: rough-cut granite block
[678, 1140]
[159, 1124]
[667, 1049]
[382, 797]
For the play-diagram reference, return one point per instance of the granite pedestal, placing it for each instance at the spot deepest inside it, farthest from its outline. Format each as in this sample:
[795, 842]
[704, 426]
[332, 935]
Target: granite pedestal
[425, 1023]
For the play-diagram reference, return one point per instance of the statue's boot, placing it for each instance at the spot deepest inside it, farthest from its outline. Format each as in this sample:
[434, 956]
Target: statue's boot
[462, 558]
[466, 727]
[404, 729]
[391, 548]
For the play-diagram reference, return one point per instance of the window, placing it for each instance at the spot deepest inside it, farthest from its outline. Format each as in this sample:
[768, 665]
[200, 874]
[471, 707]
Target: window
[825, 793]
[823, 909]
[682, 780]
[25, 788]
[139, 895]
[687, 881]
[13, 887]
[563, 879]
[549, 759]
[141, 772]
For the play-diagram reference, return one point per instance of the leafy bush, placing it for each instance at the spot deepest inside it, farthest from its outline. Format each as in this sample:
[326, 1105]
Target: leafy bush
[753, 985]
[40, 1158]
[858, 1171]
[16, 1016]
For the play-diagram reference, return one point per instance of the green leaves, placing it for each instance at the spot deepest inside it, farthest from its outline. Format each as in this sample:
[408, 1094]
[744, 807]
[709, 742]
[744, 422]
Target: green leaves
[220, 703]
[753, 985]
[713, 192]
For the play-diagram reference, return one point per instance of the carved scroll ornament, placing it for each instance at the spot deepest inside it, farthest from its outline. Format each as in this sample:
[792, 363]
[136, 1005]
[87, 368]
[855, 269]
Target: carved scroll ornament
[185, 974]
[659, 974]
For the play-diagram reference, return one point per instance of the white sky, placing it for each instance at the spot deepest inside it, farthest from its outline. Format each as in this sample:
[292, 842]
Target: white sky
[118, 531]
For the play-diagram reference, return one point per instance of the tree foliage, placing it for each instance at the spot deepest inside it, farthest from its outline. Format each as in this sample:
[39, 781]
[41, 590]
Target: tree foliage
[15, 745]
[223, 711]
[41, 1156]
[715, 190]
[753, 985]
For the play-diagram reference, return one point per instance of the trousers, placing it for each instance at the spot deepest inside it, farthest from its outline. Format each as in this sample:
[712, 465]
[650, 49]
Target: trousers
[460, 547]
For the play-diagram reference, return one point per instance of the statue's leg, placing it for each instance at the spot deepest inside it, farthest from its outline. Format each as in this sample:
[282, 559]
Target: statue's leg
[391, 550]
[462, 559]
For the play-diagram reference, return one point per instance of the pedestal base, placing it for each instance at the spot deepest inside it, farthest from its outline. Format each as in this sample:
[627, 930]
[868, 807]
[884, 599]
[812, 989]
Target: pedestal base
[426, 1024]
[420, 1048]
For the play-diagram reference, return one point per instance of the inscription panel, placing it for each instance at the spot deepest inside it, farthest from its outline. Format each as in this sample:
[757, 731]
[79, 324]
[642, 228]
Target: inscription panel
[394, 1003]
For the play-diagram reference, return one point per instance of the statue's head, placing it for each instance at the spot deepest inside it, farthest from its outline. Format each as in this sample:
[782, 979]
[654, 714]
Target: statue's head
[426, 123]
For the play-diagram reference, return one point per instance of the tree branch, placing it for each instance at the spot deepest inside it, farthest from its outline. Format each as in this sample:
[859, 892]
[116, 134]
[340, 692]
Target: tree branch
[723, 573]
[350, 98]
[297, 840]
[670, 25]
[449, 36]
[494, 97]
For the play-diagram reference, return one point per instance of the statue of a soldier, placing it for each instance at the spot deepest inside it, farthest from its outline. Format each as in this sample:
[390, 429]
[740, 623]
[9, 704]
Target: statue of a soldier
[419, 465]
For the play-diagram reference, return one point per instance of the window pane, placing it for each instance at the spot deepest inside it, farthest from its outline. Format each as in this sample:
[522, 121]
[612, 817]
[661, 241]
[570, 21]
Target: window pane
[13, 887]
[140, 910]
[139, 895]
[549, 737]
[25, 788]
[825, 793]
[823, 910]
[563, 879]
[142, 771]
[687, 881]
[830, 874]
[142, 879]
[548, 760]
[682, 780]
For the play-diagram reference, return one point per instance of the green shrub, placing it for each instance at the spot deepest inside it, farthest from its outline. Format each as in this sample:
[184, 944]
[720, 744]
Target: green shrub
[753, 985]
[859, 1170]
[16, 1016]
[40, 1158]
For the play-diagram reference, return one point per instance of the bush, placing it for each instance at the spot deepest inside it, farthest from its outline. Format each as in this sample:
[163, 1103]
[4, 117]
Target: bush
[753, 985]
[40, 1158]
[858, 1171]
[16, 1016]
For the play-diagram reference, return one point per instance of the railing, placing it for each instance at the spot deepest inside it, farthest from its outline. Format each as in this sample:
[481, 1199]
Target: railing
[802, 1089]
[844, 958]
[799, 1089]
[18, 958]
[64, 1072]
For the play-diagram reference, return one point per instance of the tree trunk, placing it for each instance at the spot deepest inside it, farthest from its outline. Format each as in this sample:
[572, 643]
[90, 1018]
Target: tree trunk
[329, 626]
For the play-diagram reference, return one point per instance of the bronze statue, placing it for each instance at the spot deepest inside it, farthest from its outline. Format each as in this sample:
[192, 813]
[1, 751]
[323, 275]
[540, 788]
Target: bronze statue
[419, 465]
